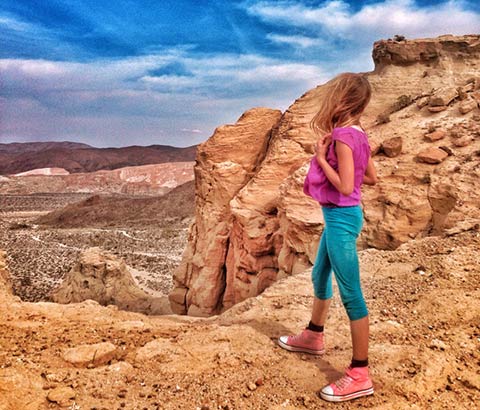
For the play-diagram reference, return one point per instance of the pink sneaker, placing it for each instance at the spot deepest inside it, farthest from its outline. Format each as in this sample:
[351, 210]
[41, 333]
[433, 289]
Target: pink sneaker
[306, 342]
[355, 383]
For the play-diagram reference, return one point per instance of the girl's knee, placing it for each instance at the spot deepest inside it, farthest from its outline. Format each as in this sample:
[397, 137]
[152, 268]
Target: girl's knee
[355, 306]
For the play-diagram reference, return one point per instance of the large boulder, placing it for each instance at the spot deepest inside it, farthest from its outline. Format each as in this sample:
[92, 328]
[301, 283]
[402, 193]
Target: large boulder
[101, 276]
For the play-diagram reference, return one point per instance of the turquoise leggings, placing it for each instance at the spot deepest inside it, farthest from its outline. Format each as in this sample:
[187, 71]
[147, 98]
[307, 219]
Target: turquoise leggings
[338, 251]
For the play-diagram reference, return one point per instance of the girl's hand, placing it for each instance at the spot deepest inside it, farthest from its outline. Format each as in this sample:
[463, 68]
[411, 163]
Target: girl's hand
[323, 143]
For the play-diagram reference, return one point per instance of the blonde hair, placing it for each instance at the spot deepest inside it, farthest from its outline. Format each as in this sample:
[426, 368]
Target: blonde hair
[346, 97]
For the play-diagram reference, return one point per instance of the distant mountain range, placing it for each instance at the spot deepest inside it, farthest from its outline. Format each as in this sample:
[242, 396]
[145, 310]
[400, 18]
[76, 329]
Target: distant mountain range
[76, 157]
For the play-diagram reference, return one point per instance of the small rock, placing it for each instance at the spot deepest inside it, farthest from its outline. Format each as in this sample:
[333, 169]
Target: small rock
[437, 344]
[259, 381]
[437, 108]
[251, 386]
[462, 142]
[432, 155]
[468, 105]
[442, 97]
[435, 135]
[392, 147]
[94, 354]
[61, 395]
[422, 102]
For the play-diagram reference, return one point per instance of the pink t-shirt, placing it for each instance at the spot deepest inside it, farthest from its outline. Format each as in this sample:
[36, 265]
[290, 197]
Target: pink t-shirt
[317, 184]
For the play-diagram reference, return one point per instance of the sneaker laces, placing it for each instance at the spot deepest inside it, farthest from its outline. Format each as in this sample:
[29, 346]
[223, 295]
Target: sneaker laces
[343, 382]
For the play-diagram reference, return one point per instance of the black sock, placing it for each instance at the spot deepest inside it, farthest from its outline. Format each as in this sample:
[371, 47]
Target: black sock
[359, 363]
[313, 327]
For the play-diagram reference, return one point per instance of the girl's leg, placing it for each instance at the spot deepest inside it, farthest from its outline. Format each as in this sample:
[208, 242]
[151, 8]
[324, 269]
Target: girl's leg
[310, 340]
[360, 334]
[322, 282]
[345, 225]
[320, 311]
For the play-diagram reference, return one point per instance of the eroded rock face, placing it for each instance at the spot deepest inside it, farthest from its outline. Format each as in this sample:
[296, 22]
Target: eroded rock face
[225, 163]
[252, 228]
[102, 277]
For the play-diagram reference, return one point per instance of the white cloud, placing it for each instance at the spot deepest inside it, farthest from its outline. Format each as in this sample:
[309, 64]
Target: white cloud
[338, 19]
[194, 131]
[66, 99]
[295, 40]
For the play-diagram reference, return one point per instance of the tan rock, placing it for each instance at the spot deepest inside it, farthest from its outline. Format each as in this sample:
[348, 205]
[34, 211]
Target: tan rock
[225, 163]
[101, 276]
[158, 349]
[435, 135]
[392, 147]
[61, 395]
[463, 141]
[90, 354]
[422, 102]
[435, 109]
[432, 155]
[443, 97]
[468, 105]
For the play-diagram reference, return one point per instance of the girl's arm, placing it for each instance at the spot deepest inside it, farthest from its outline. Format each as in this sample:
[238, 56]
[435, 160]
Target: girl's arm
[370, 177]
[343, 180]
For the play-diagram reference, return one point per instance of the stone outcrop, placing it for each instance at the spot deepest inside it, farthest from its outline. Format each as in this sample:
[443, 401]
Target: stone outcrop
[225, 163]
[428, 51]
[106, 279]
[264, 227]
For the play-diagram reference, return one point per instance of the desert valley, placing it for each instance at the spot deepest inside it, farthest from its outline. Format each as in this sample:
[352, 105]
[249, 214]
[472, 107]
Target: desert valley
[160, 278]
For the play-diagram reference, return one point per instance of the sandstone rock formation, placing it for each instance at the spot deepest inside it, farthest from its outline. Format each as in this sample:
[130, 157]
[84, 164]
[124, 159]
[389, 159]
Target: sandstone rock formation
[225, 163]
[156, 179]
[106, 279]
[254, 228]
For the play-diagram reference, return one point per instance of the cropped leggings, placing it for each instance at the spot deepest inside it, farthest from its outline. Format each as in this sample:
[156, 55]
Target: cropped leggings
[338, 252]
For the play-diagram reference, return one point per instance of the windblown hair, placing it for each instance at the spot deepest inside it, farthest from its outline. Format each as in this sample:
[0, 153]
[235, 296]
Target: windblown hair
[345, 99]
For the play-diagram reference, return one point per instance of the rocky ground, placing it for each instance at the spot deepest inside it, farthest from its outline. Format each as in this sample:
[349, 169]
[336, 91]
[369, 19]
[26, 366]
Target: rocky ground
[425, 340]
[39, 256]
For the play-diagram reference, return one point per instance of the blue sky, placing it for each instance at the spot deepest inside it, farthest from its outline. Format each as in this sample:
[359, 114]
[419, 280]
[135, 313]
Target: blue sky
[125, 72]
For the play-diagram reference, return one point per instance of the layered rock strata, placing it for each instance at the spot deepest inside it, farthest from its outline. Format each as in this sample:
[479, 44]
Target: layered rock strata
[263, 227]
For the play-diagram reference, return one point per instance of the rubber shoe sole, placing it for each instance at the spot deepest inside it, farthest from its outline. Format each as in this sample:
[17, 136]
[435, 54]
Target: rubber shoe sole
[346, 397]
[299, 349]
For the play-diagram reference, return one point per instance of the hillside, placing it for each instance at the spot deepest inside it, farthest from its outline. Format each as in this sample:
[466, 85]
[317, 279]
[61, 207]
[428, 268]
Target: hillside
[16, 158]
[153, 179]
[102, 210]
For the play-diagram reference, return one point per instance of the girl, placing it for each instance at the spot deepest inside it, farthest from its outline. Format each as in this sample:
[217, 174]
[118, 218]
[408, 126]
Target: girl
[341, 164]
